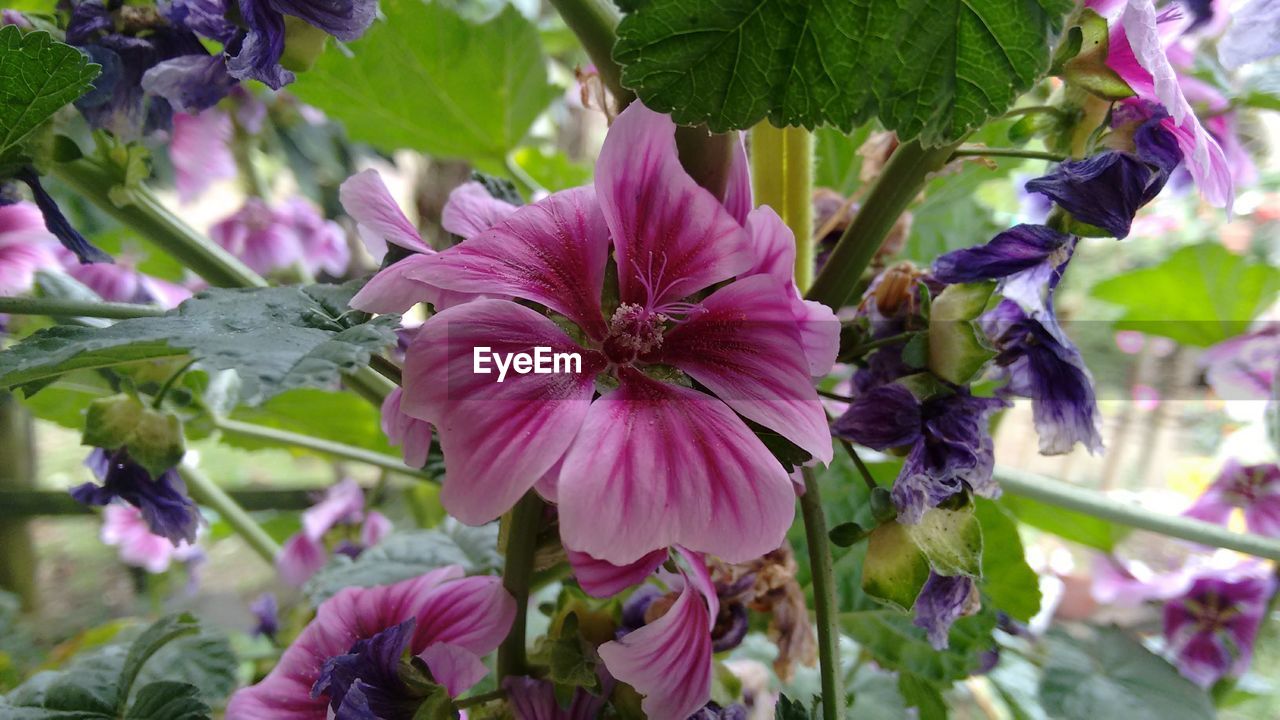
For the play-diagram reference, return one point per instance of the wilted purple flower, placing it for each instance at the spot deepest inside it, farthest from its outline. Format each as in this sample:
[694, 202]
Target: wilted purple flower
[949, 439]
[1211, 629]
[713, 711]
[258, 56]
[365, 682]
[533, 699]
[163, 500]
[267, 613]
[1255, 489]
[942, 601]
[25, 247]
[55, 222]
[1244, 367]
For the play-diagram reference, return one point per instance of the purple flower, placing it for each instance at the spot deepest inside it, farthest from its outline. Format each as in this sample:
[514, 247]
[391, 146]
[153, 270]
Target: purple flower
[941, 602]
[1019, 249]
[57, 224]
[163, 501]
[1255, 489]
[713, 711]
[25, 247]
[268, 615]
[1244, 367]
[365, 683]
[948, 436]
[13, 17]
[258, 55]
[1211, 629]
[1129, 584]
[533, 699]
[304, 553]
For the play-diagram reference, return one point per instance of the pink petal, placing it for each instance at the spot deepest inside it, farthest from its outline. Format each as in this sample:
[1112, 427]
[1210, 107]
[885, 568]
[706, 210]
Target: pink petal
[21, 216]
[669, 660]
[552, 252]
[394, 289]
[671, 237]
[741, 344]
[602, 579]
[342, 503]
[376, 527]
[1205, 161]
[200, 152]
[457, 669]
[473, 613]
[411, 434]
[19, 262]
[498, 439]
[471, 210]
[658, 464]
[300, 558]
[737, 194]
[366, 199]
[351, 615]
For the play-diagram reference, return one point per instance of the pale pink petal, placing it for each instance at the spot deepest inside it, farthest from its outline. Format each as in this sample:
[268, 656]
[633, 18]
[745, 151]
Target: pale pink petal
[342, 503]
[602, 579]
[773, 245]
[300, 558]
[411, 434]
[394, 289]
[669, 660]
[657, 464]
[741, 343]
[366, 199]
[471, 210]
[200, 151]
[498, 438]
[22, 216]
[737, 194]
[457, 669]
[376, 527]
[700, 576]
[552, 252]
[1205, 161]
[671, 237]
[473, 613]
[162, 292]
[19, 263]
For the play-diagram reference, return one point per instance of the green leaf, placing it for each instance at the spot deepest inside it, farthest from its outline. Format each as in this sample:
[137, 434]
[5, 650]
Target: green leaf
[733, 63]
[950, 539]
[1007, 581]
[551, 169]
[168, 700]
[923, 695]
[275, 338]
[1200, 295]
[895, 568]
[204, 660]
[37, 77]
[837, 163]
[1108, 674]
[1068, 524]
[427, 79]
[788, 709]
[405, 555]
[957, 349]
[155, 637]
[340, 417]
[896, 644]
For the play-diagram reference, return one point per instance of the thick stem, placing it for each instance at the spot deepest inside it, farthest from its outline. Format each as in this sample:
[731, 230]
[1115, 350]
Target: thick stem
[1063, 495]
[17, 473]
[782, 178]
[898, 185]
[824, 598]
[327, 447]
[54, 307]
[153, 221]
[1009, 153]
[204, 491]
[595, 22]
[523, 524]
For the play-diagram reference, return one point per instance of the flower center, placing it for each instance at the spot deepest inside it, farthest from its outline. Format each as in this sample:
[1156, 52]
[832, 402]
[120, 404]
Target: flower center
[633, 331]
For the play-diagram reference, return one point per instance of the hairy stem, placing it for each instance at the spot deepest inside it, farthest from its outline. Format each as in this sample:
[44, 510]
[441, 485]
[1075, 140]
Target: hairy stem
[522, 526]
[55, 307]
[894, 190]
[595, 23]
[782, 178]
[206, 492]
[326, 447]
[824, 598]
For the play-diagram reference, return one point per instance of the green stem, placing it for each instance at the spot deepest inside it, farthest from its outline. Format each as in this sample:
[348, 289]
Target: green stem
[863, 470]
[898, 185]
[1032, 110]
[824, 598]
[204, 491]
[595, 22]
[326, 447]
[144, 213]
[1008, 152]
[523, 524]
[480, 699]
[1090, 502]
[168, 384]
[55, 307]
[867, 347]
[782, 178]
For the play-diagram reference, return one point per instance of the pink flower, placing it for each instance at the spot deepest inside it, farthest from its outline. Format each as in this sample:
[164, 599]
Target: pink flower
[380, 221]
[1129, 584]
[1137, 53]
[411, 434]
[268, 239]
[1244, 367]
[1255, 489]
[122, 282]
[123, 527]
[454, 621]
[305, 553]
[1210, 631]
[200, 152]
[652, 462]
[25, 247]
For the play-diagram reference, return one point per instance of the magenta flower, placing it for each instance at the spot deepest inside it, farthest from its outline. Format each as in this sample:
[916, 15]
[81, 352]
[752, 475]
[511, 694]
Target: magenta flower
[411, 434]
[124, 528]
[25, 247]
[1244, 367]
[305, 552]
[652, 462]
[1211, 629]
[122, 282]
[447, 620]
[1255, 489]
[1137, 53]
[200, 150]
[1129, 584]
[293, 234]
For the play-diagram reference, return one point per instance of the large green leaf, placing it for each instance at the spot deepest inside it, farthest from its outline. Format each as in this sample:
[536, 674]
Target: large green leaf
[1007, 581]
[427, 79]
[1068, 524]
[37, 77]
[167, 700]
[929, 68]
[1200, 295]
[1110, 675]
[275, 338]
[897, 644]
[340, 417]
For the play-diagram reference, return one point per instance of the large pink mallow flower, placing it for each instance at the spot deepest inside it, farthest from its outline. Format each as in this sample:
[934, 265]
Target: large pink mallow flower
[350, 653]
[305, 552]
[1211, 629]
[25, 247]
[1137, 52]
[1255, 489]
[124, 528]
[706, 328]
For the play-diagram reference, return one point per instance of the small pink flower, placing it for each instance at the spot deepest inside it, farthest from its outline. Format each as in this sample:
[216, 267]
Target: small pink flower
[1255, 489]
[305, 553]
[122, 282]
[1145, 397]
[1129, 584]
[1130, 342]
[124, 528]
[25, 247]
[200, 151]
[454, 622]
[269, 238]
[1211, 629]
[652, 462]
